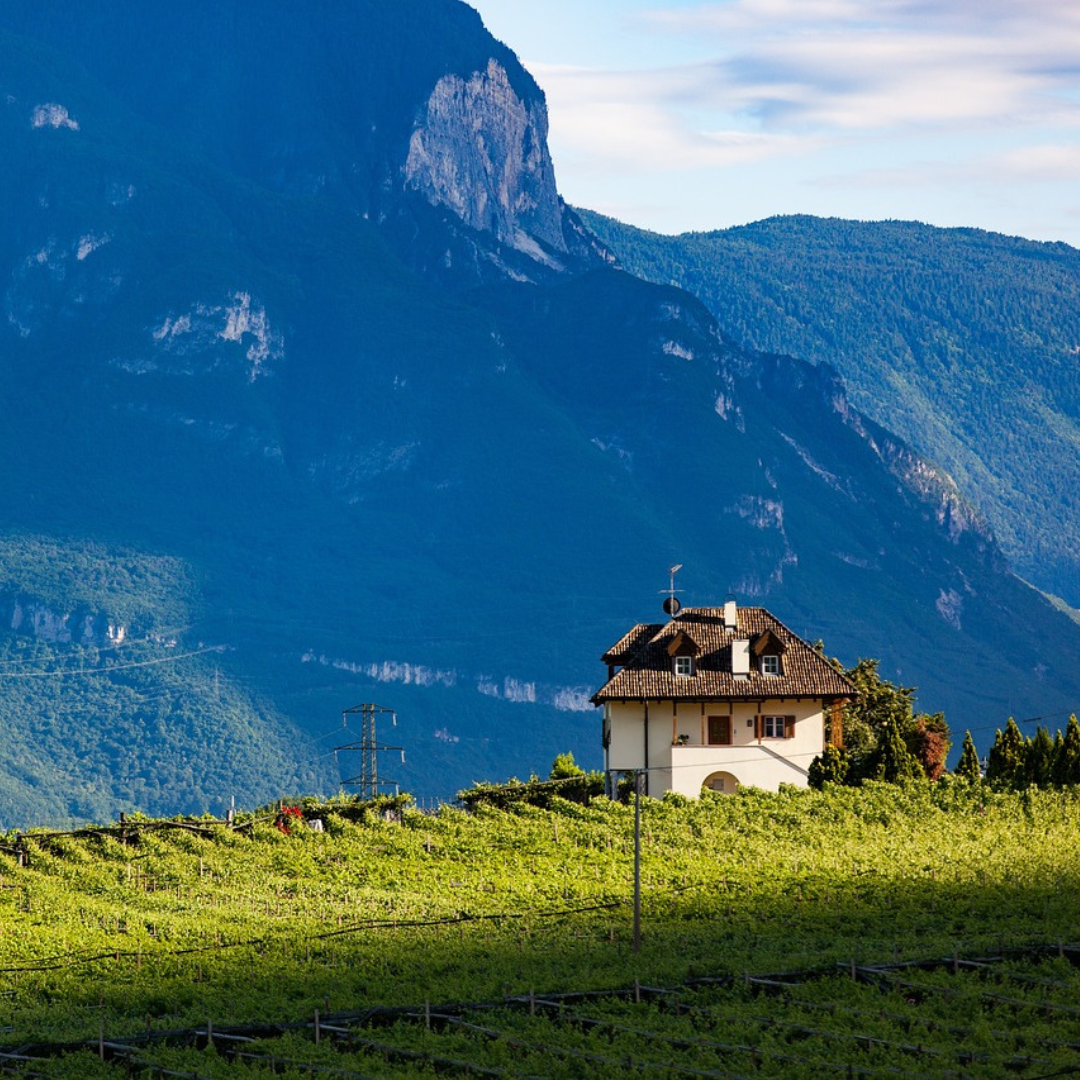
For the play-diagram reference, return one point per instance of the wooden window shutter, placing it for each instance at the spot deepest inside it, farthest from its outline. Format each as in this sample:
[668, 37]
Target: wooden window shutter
[789, 727]
[836, 731]
[759, 724]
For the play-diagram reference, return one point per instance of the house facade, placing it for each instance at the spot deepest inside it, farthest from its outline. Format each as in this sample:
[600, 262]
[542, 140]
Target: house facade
[717, 698]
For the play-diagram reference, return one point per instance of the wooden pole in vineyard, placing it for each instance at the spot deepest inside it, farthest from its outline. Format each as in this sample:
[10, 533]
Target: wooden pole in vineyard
[639, 775]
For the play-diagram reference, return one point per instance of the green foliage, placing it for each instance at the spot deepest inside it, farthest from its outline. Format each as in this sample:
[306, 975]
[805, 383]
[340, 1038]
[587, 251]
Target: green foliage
[564, 767]
[968, 767]
[879, 703]
[185, 921]
[1006, 764]
[1016, 763]
[891, 760]
[831, 766]
[946, 336]
[883, 736]
[135, 590]
[1039, 754]
[1067, 760]
[578, 787]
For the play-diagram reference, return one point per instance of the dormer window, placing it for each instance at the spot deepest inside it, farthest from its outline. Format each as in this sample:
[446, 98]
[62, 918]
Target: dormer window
[768, 647]
[682, 649]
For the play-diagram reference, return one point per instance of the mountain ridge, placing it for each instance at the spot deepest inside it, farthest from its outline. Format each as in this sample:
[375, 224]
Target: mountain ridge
[961, 339]
[364, 449]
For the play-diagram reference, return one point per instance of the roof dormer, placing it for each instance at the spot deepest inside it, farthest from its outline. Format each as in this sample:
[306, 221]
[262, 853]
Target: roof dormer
[682, 649]
[768, 650]
[768, 642]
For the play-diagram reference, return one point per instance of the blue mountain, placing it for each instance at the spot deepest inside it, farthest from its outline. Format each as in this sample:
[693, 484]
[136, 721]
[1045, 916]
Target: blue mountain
[316, 393]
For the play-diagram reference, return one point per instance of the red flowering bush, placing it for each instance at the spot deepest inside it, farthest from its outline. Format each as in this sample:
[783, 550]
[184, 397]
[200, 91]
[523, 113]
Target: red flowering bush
[286, 815]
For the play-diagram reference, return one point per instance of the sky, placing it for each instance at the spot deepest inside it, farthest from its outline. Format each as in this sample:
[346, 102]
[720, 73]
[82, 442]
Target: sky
[678, 116]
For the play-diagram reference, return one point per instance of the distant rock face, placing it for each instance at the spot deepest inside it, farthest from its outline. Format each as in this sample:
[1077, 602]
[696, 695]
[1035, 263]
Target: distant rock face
[200, 331]
[82, 626]
[481, 151]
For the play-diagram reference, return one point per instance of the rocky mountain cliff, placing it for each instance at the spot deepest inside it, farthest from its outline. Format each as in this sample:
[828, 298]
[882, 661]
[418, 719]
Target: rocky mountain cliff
[481, 151]
[315, 386]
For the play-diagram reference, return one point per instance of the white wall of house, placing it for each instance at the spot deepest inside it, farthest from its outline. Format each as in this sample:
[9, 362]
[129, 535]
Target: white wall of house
[679, 755]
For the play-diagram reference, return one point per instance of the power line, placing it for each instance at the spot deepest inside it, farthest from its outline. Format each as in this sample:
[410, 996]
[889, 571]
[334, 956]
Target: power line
[64, 673]
[1046, 716]
[54, 656]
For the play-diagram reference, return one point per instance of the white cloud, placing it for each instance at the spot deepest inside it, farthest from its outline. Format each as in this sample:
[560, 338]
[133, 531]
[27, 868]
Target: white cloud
[1049, 162]
[695, 114]
[875, 63]
[636, 119]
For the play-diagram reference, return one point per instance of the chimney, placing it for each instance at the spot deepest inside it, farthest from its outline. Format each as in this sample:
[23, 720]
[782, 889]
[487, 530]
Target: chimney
[740, 658]
[731, 618]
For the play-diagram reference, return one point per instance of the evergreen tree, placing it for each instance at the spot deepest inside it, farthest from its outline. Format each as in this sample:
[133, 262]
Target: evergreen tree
[1039, 759]
[1059, 749]
[968, 766]
[1067, 761]
[832, 765]
[892, 760]
[1006, 760]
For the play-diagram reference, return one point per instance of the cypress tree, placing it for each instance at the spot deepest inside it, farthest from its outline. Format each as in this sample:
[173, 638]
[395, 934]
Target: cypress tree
[968, 766]
[831, 766]
[1007, 758]
[893, 761]
[1039, 759]
[1067, 762]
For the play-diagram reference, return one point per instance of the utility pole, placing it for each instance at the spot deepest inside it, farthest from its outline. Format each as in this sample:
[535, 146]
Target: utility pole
[368, 779]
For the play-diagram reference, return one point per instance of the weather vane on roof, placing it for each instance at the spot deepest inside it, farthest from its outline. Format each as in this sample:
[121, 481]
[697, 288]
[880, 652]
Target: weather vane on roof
[671, 604]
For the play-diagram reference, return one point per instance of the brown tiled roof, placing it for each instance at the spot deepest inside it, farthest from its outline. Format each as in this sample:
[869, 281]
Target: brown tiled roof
[647, 666]
[630, 643]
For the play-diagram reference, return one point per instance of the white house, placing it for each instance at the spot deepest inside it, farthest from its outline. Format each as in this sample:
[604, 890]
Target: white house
[718, 697]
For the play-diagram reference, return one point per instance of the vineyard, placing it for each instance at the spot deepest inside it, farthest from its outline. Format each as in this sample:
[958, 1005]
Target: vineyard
[874, 931]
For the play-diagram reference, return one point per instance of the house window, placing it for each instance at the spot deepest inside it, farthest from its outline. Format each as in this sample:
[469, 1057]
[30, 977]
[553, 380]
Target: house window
[774, 727]
[684, 665]
[770, 664]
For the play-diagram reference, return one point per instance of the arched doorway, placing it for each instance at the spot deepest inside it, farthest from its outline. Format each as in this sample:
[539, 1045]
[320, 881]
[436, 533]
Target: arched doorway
[723, 783]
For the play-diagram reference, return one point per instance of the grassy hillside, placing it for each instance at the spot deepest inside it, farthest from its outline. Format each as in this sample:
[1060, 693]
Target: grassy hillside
[178, 925]
[961, 341]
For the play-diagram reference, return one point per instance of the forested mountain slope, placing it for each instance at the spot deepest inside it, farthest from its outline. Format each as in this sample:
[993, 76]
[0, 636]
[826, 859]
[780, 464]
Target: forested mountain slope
[315, 393]
[966, 343]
